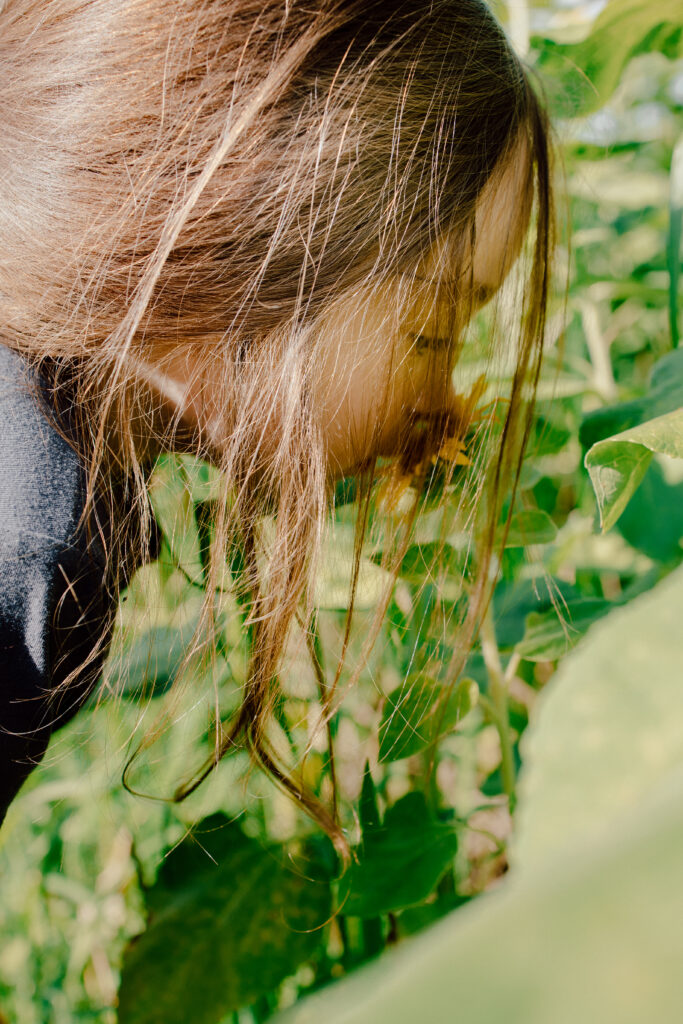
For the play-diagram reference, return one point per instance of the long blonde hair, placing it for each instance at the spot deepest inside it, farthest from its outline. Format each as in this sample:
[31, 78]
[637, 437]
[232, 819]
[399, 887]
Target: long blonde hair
[211, 176]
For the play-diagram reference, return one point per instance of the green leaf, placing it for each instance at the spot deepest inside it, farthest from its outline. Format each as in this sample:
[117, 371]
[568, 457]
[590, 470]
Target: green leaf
[618, 464]
[400, 862]
[591, 70]
[609, 726]
[333, 583]
[550, 634]
[368, 810]
[415, 715]
[529, 526]
[514, 600]
[431, 560]
[652, 522]
[592, 935]
[229, 922]
[148, 667]
[174, 512]
[673, 242]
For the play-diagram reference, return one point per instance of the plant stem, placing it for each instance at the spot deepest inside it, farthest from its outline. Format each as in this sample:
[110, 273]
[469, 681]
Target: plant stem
[498, 707]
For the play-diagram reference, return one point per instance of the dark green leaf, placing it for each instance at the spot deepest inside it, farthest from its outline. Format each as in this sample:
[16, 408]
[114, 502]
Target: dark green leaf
[665, 394]
[652, 522]
[229, 923]
[400, 862]
[367, 807]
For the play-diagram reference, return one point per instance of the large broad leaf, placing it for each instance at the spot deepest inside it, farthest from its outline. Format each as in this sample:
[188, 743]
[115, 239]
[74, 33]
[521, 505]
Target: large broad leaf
[400, 861]
[609, 727]
[591, 70]
[594, 936]
[229, 922]
[415, 715]
[587, 925]
[618, 464]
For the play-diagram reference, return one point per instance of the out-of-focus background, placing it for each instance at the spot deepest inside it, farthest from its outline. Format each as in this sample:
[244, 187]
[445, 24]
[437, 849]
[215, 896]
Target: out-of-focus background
[573, 819]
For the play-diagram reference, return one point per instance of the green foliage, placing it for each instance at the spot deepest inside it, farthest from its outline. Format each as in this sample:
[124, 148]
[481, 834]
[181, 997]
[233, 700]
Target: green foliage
[594, 894]
[550, 634]
[621, 31]
[609, 730]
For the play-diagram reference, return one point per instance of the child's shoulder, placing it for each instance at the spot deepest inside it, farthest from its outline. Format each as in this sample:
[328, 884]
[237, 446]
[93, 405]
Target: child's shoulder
[53, 606]
[41, 477]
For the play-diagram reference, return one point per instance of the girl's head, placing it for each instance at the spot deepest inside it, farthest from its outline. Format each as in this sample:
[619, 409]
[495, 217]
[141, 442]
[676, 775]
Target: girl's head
[259, 229]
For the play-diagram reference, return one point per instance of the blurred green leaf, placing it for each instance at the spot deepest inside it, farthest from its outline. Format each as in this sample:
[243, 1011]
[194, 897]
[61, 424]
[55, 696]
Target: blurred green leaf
[229, 923]
[673, 242]
[415, 715]
[609, 726]
[551, 634]
[618, 464]
[173, 506]
[529, 526]
[594, 934]
[591, 70]
[149, 665]
[400, 861]
[333, 582]
[430, 560]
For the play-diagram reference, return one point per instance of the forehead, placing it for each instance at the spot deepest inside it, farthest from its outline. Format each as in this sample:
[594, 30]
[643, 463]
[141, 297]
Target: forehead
[501, 220]
[500, 224]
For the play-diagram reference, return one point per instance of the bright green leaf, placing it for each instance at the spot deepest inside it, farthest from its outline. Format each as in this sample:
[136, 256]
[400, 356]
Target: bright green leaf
[591, 70]
[415, 715]
[618, 464]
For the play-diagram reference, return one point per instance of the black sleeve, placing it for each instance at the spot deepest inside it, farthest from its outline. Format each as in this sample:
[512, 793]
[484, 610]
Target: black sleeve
[53, 621]
[54, 612]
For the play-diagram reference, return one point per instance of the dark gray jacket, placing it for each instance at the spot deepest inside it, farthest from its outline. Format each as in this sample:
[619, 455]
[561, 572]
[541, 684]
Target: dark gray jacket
[53, 605]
